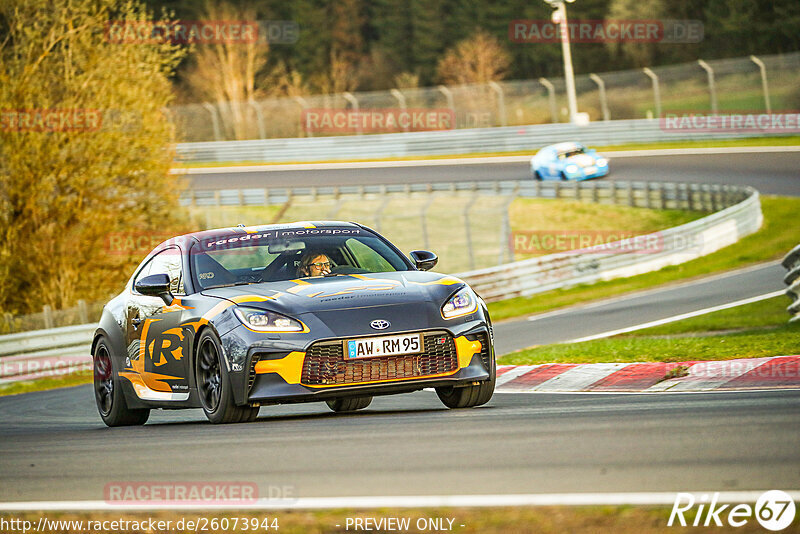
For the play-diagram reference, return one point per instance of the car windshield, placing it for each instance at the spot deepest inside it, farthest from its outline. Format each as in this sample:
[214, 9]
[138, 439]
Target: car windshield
[571, 152]
[275, 255]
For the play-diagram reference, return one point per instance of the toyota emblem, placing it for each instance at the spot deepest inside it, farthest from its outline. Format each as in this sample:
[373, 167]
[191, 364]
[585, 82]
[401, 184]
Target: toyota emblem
[380, 324]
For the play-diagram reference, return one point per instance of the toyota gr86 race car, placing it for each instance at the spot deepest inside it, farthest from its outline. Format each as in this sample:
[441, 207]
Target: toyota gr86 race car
[568, 161]
[227, 320]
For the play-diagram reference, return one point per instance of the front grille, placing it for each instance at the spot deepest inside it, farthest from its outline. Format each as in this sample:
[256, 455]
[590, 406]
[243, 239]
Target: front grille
[325, 363]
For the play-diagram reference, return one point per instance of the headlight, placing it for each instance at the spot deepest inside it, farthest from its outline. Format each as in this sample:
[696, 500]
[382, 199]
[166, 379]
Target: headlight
[571, 169]
[462, 303]
[601, 162]
[267, 321]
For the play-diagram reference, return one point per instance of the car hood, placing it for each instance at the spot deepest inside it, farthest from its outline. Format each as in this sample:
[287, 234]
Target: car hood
[581, 160]
[320, 294]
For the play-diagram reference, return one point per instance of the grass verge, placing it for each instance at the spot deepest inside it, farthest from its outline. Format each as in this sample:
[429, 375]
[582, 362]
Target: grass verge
[522, 520]
[749, 331]
[721, 143]
[776, 237]
[42, 384]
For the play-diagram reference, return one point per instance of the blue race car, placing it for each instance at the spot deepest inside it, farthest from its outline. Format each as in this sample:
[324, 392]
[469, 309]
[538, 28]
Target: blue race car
[568, 161]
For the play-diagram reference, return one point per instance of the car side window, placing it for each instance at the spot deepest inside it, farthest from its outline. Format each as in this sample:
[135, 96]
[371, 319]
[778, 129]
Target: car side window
[167, 262]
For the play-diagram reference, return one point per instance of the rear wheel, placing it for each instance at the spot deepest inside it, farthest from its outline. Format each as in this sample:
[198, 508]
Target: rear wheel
[537, 175]
[213, 384]
[108, 395]
[349, 404]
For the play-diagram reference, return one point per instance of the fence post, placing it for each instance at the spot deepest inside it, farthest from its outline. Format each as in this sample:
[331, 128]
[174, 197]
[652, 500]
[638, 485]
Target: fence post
[262, 132]
[551, 96]
[9, 321]
[764, 85]
[377, 215]
[303, 106]
[83, 312]
[501, 102]
[48, 316]
[506, 244]
[656, 90]
[631, 199]
[424, 215]
[712, 86]
[401, 100]
[468, 232]
[601, 86]
[354, 103]
[448, 95]
[214, 121]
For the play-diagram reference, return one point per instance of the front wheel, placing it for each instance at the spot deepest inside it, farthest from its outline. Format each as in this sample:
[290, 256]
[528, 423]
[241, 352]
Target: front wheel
[537, 176]
[213, 384]
[469, 396]
[108, 395]
[349, 404]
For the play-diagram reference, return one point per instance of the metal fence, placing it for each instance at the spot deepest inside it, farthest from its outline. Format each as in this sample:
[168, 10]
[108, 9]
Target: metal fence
[792, 279]
[454, 142]
[765, 83]
[674, 246]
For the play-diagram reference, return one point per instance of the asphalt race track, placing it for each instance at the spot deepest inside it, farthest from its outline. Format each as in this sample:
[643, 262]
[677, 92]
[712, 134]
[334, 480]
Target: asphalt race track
[775, 173]
[638, 308]
[53, 445]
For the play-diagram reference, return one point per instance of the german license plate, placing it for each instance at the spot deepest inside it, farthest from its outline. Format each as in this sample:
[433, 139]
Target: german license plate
[383, 346]
[590, 170]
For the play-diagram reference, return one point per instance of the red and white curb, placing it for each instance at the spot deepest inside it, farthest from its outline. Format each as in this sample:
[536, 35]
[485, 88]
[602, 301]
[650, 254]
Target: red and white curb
[745, 373]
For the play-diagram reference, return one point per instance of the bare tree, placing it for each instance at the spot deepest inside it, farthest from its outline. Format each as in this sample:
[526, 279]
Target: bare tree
[478, 59]
[225, 72]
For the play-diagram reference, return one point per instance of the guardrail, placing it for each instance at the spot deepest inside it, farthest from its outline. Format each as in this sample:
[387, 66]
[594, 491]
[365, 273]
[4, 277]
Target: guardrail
[792, 279]
[672, 246]
[453, 142]
[39, 353]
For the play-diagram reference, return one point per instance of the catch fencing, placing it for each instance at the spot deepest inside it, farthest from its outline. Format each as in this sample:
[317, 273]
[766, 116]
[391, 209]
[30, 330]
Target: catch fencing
[792, 279]
[764, 83]
[452, 142]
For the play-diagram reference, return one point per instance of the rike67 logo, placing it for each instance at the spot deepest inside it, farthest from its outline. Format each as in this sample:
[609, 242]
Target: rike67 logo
[774, 510]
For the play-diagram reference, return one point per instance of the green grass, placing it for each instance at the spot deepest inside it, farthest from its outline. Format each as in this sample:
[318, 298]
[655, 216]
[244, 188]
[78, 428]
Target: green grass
[749, 331]
[744, 142]
[42, 384]
[776, 237]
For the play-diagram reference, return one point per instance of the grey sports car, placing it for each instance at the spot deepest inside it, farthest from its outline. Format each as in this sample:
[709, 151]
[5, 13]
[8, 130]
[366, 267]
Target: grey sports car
[232, 319]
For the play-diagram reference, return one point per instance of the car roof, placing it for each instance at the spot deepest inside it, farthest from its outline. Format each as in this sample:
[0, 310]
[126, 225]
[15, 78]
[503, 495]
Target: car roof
[232, 231]
[565, 147]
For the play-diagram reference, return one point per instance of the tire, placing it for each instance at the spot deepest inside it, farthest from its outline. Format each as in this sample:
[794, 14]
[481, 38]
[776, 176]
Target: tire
[213, 384]
[349, 404]
[537, 176]
[563, 177]
[108, 394]
[469, 396]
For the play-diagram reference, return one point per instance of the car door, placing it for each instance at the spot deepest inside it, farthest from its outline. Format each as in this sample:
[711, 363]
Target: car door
[157, 354]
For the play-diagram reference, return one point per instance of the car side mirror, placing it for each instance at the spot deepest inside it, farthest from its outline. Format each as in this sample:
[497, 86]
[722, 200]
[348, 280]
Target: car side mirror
[424, 260]
[155, 285]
